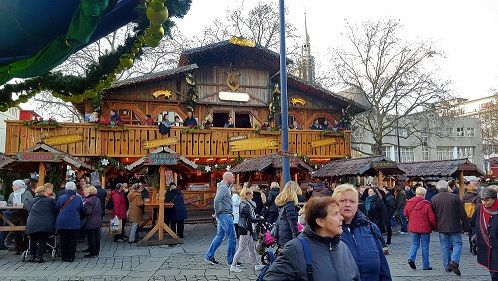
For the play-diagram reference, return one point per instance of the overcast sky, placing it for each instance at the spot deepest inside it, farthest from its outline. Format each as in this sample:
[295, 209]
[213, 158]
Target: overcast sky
[465, 31]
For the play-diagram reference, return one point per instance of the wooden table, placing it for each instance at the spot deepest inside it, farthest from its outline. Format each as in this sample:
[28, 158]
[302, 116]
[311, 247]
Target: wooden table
[160, 225]
[10, 226]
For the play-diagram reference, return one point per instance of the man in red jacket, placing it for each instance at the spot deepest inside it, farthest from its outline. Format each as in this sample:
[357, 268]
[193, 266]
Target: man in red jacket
[421, 222]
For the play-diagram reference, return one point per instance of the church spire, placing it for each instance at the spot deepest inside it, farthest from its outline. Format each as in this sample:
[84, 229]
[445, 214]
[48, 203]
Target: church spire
[306, 62]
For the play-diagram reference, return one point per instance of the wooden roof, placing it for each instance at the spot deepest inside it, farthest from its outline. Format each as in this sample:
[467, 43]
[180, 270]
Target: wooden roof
[267, 162]
[183, 165]
[15, 163]
[358, 167]
[441, 168]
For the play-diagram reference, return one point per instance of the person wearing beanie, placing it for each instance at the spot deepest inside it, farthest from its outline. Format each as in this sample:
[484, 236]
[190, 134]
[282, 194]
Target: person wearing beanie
[68, 223]
[451, 219]
[486, 223]
[19, 197]
[40, 223]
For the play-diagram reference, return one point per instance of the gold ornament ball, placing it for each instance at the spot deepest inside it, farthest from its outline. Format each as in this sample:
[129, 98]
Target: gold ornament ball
[157, 14]
[126, 61]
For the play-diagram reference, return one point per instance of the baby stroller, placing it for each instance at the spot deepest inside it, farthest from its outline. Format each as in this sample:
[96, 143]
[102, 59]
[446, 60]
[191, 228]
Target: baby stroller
[265, 240]
[52, 246]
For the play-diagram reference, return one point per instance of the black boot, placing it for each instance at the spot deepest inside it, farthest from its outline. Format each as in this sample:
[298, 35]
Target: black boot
[32, 259]
[39, 260]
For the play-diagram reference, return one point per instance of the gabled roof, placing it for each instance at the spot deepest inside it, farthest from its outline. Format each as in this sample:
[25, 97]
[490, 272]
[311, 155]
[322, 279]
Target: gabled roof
[228, 49]
[266, 162]
[440, 168]
[356, 96]
[358, 167]
[183, 165]
[156, 76]
[11, 163]
[314, 88]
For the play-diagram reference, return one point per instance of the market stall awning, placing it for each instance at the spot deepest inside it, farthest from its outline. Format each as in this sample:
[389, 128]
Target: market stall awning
[440, 168]
[264, 163]
[178, 164]
[29, 159]
[358, 167]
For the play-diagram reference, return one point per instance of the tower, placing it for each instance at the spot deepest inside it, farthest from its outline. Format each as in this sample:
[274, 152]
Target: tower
[306, 62]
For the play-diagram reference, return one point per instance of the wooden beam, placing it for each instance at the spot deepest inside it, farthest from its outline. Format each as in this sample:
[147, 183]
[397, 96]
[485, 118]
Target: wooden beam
[41, 174]
[461, 184]
[380, 178]
[162, 189]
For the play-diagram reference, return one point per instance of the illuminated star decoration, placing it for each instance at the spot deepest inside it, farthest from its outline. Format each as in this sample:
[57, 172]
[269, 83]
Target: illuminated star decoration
[104, 162]
[216, 165]
[208, 168]
[228, 167]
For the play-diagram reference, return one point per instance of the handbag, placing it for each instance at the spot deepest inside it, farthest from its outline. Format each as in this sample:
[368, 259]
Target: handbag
[115, 226]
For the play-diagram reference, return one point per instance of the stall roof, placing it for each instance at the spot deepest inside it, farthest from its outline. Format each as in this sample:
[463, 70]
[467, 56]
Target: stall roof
[16, 163]
[358, 167]
[440, 168]
[265, 162]
[183, 163]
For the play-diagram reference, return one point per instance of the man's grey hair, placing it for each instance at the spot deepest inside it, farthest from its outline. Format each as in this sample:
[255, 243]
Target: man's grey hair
[442, 185]
[70, 185]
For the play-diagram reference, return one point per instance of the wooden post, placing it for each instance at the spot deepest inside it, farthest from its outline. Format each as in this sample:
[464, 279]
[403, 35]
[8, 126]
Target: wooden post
[175, 178]
[461, 184]
[162, 188]
[102, 181]
[380, 177]
[41, 174]
[295, 177]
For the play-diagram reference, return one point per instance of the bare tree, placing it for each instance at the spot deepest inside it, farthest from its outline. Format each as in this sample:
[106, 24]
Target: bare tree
[396, 76]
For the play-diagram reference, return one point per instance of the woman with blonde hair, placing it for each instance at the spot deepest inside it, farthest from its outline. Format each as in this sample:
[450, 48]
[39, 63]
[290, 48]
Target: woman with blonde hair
[93, 213]
[287, 201]
[235, 206]
[245, 230]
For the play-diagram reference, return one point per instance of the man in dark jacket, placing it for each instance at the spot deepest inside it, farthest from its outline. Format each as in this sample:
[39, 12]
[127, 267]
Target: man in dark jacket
[451, 219]
[272, 213]
[400, 207]
[178, 214]
[101, 194]
[40, 223]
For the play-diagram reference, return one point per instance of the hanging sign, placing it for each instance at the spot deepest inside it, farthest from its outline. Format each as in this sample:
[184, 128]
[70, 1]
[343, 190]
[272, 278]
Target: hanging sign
[38, 156]
[235, 138]
[324, 142]
[160, 142]
[66, 139]
[253, 144]
[162, 159]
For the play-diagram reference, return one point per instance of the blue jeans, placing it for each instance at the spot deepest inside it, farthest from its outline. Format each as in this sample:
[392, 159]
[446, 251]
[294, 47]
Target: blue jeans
[403, 220]
[225, 227]
[417, 239]
[449, 241]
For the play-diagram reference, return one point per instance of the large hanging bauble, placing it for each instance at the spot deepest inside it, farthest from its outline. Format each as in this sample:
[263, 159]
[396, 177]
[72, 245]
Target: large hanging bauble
[126, 61]
[157, 13]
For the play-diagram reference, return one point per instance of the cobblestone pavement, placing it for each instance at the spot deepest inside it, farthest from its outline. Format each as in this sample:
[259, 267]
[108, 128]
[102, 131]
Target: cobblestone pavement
[123, 261]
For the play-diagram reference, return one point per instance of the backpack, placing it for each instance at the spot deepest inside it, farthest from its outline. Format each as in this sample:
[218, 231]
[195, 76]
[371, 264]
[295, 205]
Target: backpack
[470, 208]
[307, 255]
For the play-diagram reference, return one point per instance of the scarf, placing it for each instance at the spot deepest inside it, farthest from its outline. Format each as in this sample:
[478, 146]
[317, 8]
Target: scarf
[368, 203]
[17, 195]
[484, 218]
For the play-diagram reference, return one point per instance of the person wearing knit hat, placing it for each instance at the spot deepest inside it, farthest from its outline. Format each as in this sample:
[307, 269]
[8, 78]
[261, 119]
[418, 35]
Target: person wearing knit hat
[40, 223]
[19, 197]
[451, 219]
[486, 222]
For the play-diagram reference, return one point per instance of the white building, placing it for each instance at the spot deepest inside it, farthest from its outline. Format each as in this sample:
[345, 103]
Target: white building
[11, 114]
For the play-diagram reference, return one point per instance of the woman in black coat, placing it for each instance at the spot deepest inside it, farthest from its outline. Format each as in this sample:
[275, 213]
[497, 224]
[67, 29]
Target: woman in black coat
[176, 216]
[93, 214]
[40, 223]
[485, 221]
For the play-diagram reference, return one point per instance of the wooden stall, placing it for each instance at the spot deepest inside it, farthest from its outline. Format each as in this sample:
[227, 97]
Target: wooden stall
[371, 166]
[268, 167]
[443, 169]
[166, 159]
[36, 158]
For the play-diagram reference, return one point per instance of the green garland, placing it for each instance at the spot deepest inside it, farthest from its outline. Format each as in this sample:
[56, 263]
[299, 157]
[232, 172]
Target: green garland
[192, 92]
[100, 76]
[44, 123]
[274, 105]
[220, 167]
[102, 164]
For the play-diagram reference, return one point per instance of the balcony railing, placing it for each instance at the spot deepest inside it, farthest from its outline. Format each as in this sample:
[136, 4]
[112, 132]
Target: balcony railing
[212, 143]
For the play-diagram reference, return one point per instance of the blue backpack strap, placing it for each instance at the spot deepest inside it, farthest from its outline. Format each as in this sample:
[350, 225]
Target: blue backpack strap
[308, 257]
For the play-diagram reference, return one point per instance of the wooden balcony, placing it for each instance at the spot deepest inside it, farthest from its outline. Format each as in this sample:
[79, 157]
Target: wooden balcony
[212, 143]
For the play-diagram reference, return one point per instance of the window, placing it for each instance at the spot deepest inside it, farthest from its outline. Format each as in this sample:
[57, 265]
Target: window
[403, 132]
[386, 151]
[242, 120]
[444, 153]
[470, 132]
[465, 152]
[459, 132]
[425, 153]
[407, 154]
[219, 119]
[424, 141]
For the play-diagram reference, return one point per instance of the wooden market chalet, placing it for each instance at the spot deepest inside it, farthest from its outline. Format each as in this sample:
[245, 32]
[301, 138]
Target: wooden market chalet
[233, 78]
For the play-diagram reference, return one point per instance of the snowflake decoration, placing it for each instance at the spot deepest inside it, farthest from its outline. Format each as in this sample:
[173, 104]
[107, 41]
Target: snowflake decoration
[228, 167]
[208, 168]
[216, 166]
[104, 162]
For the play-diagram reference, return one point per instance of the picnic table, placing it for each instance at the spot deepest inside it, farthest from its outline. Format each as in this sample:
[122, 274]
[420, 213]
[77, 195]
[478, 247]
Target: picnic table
[10, 225]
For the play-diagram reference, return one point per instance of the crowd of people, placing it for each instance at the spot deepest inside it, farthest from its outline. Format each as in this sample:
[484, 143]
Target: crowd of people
[75, 213]
[347, 226]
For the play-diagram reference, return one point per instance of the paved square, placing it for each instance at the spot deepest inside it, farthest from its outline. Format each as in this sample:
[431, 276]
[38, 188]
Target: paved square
[123, 261]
